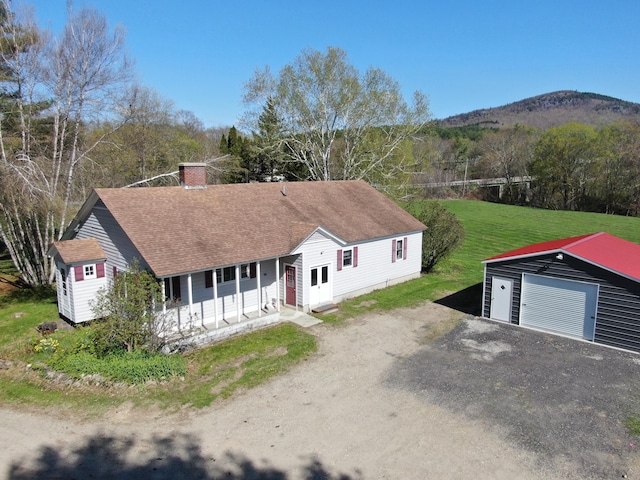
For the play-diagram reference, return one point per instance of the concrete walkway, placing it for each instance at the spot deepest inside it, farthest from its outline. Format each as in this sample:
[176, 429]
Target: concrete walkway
[298, 317]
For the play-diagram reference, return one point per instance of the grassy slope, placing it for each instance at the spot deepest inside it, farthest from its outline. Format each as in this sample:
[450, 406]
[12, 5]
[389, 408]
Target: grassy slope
[492, 229]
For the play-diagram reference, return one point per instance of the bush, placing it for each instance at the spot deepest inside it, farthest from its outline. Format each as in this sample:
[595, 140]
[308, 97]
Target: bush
[134, 368]
[443, 234]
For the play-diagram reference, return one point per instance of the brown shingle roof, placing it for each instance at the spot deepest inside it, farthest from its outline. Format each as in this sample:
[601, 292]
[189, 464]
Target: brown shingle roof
[180, 230]
[76, 251]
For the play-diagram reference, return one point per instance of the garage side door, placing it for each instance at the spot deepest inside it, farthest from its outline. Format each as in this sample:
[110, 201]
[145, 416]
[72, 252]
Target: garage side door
[562, 306]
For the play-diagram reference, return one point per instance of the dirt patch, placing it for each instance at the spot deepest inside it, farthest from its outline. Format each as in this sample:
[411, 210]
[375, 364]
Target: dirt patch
[366, 303]
[344, 413]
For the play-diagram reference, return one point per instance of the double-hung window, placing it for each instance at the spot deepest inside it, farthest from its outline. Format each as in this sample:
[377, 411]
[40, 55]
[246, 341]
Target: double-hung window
[399, 249]
[347, 258]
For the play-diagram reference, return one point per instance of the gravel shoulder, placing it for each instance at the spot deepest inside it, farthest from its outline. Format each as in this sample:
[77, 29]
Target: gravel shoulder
[365, 405]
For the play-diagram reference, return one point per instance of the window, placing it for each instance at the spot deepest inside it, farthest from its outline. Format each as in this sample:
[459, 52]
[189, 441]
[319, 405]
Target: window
[244, 270]
[347, 258]
[89, 271]
[228, 274]
[399, 249]
[63, 277]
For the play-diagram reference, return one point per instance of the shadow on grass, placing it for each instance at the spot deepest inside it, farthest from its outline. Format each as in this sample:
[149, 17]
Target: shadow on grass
[161, 457]
[29, 294]
[467, 301]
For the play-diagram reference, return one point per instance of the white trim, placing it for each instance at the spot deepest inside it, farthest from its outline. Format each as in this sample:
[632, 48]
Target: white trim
[278, 283]
[93, 274]
[190, 295]
[238, 297]
[484, 290]
[259, 289]
[322, 231]
[215, 298]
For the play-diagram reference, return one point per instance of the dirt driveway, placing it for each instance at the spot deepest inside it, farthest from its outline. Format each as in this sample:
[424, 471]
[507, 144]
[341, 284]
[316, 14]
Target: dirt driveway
[378, 401]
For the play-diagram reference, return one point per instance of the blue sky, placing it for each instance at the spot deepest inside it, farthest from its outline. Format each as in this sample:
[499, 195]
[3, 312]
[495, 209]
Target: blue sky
[463, 54]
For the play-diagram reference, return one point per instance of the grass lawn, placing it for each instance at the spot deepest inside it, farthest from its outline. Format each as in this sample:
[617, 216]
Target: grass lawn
[243, 362]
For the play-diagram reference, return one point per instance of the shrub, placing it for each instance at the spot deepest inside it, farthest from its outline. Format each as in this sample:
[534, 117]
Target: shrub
[443, 234]
[129, 367]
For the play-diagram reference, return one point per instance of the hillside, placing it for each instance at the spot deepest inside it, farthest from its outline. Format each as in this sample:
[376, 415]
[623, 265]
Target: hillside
[551, 110]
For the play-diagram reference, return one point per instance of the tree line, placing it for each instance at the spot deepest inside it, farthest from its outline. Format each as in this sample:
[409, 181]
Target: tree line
[574, 166]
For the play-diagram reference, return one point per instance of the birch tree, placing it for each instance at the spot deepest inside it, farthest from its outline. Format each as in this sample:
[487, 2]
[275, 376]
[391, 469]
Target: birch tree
[62, 84]
[337, 122]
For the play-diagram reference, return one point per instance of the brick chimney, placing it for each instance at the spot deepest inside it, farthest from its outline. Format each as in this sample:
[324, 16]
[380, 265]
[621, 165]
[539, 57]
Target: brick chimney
[193, 175]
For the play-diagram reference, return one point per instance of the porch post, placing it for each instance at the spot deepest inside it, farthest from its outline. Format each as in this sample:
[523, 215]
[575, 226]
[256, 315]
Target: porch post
[238, 293]
[164, 297]
[190, 288]
[258, 288]
[215, 296]
[278, 284]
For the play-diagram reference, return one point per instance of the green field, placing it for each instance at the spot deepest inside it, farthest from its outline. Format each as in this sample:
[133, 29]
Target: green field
[493, 228]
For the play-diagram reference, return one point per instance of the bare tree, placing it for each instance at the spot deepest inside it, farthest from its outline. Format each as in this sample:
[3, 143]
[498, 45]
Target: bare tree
[338, 123]
[64, 84]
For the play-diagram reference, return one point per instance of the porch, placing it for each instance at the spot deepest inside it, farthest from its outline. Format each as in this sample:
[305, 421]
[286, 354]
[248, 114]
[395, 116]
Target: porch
[209, 331]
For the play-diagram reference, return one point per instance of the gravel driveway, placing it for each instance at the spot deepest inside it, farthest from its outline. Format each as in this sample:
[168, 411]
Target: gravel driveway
[379, 400]
[562, 399]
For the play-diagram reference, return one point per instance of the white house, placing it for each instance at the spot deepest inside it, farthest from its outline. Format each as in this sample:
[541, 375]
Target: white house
[228, 254]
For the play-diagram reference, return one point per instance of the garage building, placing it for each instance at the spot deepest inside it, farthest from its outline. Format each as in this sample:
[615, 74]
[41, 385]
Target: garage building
[586, 287]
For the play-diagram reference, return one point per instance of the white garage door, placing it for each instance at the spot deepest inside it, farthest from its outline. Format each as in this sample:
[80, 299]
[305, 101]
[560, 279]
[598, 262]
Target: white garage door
[562, 306]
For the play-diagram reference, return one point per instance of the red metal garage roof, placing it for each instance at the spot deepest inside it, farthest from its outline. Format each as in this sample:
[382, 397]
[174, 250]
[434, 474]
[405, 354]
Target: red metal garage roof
[602, 249]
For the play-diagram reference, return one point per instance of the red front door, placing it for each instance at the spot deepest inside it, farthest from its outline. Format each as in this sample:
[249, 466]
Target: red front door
[290, 284]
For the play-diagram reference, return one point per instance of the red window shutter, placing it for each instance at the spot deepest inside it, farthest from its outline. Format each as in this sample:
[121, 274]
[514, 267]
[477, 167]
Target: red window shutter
[404, 249]
[115, 272]
[393, 251]
[100, 270]
[79, 269]
[208, 279]
[355, 257]
[339, 260]
[252, 270]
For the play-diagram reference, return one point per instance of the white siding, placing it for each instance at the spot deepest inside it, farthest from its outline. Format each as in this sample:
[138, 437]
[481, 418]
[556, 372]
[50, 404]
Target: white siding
[116, 245]
[375, 268]
[83, 293]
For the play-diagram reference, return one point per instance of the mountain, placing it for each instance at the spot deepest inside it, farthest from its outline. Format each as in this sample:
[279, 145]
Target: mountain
[551, 110]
